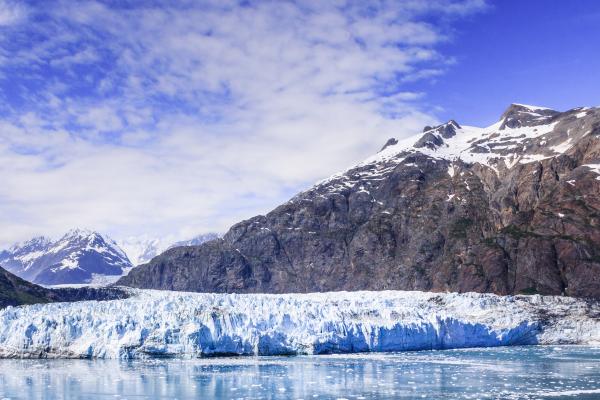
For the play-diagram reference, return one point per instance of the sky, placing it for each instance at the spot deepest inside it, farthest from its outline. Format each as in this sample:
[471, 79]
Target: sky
[175, 118]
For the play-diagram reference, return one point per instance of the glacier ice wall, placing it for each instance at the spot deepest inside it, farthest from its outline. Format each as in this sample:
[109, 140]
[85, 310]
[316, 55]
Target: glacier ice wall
[160, 323]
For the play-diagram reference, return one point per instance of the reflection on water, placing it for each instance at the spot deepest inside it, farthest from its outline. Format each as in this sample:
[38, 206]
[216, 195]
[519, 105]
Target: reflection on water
[501, 373]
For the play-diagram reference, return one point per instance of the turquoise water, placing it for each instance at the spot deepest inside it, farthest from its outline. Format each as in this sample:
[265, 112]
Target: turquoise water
[532, 372]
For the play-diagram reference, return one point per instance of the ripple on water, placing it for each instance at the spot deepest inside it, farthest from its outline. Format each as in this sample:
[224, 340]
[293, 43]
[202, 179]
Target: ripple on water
[532, 372]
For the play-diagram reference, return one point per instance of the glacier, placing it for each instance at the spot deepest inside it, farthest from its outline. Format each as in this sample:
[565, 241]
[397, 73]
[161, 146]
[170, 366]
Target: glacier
[177, 324]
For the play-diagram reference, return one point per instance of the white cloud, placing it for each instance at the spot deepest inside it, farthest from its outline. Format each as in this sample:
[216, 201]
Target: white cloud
[11, 12]
[185, 118]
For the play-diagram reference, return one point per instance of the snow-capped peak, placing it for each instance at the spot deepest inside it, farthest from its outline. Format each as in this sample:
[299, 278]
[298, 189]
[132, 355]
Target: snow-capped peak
[79, 233]
[519, 135]
[523, 134]
[74, 258]
[519, 115]
[38, 242]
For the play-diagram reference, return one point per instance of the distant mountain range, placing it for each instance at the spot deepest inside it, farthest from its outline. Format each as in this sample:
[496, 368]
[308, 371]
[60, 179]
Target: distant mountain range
[81, 256]
[142, 249]
[510, 208]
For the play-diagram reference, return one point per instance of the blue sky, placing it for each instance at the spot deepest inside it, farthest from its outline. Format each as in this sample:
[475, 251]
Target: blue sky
[541, 52]
[173, 118]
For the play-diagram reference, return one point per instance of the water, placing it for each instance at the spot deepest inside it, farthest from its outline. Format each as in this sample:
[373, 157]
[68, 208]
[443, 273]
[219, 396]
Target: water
[501, 373]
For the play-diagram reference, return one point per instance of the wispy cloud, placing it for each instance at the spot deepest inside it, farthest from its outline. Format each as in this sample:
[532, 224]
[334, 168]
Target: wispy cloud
[182, 117]
[11, 13]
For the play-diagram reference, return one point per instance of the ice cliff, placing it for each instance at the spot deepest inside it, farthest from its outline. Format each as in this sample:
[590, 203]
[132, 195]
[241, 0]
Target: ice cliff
[159, 323]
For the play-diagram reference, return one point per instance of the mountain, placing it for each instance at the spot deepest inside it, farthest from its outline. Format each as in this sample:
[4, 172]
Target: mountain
[510, 208]
[15, 291]
[80, 256]
[196, 241]
[142, 249]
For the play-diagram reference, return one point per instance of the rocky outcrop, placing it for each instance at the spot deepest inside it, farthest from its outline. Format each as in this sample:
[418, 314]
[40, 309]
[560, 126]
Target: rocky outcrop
[511, 208]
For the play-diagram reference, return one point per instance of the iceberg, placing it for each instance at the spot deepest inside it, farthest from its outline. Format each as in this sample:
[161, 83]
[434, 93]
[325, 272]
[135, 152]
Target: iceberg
[177, 324]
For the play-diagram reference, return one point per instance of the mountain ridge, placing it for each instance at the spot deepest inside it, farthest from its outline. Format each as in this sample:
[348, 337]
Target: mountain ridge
[509, 208]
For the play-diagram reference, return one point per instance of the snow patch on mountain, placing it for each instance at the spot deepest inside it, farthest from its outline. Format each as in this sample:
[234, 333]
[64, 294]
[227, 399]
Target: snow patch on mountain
[161, 323]
[531, 107]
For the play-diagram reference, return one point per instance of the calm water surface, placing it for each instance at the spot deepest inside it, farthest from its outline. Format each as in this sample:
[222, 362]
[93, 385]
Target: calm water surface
[501, 373]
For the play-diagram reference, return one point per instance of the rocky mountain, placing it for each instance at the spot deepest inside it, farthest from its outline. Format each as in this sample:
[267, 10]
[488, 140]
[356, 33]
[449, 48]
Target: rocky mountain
[15, 291]
[142, 249]
[510, 208]
[80, 256]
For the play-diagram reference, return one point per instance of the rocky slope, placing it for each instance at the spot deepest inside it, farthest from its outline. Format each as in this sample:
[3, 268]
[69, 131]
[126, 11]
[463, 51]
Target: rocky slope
[78, 257]
[511, 208]
[15, 291]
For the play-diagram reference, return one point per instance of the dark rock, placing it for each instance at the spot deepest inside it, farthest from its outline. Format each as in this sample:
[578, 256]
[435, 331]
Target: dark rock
[390, 142]
[429, 140]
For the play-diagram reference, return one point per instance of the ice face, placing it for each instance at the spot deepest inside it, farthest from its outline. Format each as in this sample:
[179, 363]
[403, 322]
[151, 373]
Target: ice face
[160, 323]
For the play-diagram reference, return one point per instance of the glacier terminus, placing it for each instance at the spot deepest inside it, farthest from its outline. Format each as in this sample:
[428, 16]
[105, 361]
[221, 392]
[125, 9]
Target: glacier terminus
[177, 324]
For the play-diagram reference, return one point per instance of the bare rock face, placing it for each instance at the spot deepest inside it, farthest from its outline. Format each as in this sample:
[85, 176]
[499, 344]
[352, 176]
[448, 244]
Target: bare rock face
[511, 208]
